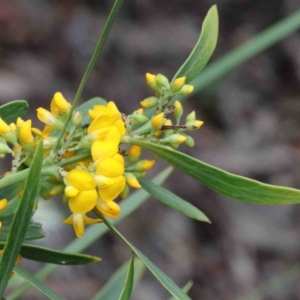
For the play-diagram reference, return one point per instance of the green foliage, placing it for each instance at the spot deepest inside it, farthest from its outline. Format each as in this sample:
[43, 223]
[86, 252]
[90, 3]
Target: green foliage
[21, 219]
[172, 200]
[34, 230]
[53, 256]
[37, 284]
[112, 289]
[225, 183]
[9, 112]
[203, 49]
[128, 286]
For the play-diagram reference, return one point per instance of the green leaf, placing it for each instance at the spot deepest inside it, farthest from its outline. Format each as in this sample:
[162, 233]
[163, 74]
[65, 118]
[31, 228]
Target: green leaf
[186, 288]
[112, 289]
[167, 282]
[37, 284]
[10, 112]
[172, 200]
[51, 256]
[203, 49]
[127, 290]
[225, 183]
[94, 232]
[34, 230]
[21, 219]
[9, 192]
[84, 108]
[246, 51]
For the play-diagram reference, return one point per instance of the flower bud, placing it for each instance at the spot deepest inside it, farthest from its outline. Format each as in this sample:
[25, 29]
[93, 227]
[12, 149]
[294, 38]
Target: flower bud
[151, 81]
[190, 117]
[142, 165]
[196, 124]
[175, 138]
[178, 111]
[157, 121]
[138, 119]
[134, 153]
[162, 81]
[132, 180]
[177, 84]
[186, 90]
[189, 141]
[77, 118]
[149, 102]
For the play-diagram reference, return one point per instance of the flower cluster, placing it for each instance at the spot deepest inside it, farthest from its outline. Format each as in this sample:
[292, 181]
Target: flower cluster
[85, 162]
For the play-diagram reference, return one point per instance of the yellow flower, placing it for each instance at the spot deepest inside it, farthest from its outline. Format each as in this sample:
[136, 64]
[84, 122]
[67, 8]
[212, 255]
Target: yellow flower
[104, 148]
[26, 136]
[4, 128]
[81, 191]
[59, 104]
[78, 221]
[109, 177]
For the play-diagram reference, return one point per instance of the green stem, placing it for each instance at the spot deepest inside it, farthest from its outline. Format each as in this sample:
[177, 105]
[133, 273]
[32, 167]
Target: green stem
[100, 44]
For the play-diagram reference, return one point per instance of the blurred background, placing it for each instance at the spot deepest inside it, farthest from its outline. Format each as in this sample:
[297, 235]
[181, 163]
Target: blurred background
[251, 127]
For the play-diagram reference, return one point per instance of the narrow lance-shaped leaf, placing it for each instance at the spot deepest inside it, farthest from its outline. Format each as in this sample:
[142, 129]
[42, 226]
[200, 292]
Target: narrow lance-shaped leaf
[37, 284]
[166, 281]
[128, 286]
[21, 219]
[203, 49]
[51, 256]
[112, 289]
[225, 183]
[172, 200]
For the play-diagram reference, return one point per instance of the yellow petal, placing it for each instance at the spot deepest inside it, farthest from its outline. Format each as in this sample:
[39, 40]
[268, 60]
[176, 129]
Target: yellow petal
[25, 132]
[59, 104]
[83, 202]
[104, 148]
[80, 179]
[109, 209]
[111, 192]
[110, 167]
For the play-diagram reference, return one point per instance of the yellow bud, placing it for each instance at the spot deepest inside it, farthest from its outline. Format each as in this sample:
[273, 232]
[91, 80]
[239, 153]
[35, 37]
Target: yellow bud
[25, 132]
[139, 111]
[149, 102]
[189, 141]
[177, 84]
[157, 121]
[175, 138]
[134, 153]
[59, 104]
[162, 81]
[186, 90]
[178, 111]
[197, 124]
[4, 128]
[3, 204]
[132, 180]
[191, 117]
[151, 81]
[143, 165]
